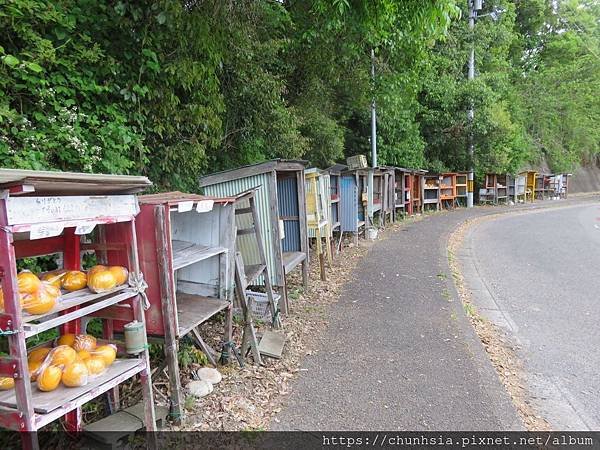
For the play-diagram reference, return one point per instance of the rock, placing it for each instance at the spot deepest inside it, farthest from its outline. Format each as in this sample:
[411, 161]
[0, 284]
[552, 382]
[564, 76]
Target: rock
[200, 388]
[209, 374]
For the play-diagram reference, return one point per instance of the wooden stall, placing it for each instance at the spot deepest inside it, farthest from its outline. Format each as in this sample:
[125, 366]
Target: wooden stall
[187, 243]
[335, 190]
[281, 207]
[462, 188]
[318, 207]
[416, 193]
[431, 192]
[43, 213]
[497, 188]
[402, 185]
[448, 189]
[542, 186]
[386, 190]
[354, 201]
[530, 183]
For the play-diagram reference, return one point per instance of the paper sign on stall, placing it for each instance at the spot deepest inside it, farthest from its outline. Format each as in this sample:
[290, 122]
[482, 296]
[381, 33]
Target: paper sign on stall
[185, 206]
[205, 206]
[85, 229]
[45, 231]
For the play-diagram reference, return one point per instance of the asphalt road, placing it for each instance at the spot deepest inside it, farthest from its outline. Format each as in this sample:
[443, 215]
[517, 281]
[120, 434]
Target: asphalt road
[399, 352]
[537, 276]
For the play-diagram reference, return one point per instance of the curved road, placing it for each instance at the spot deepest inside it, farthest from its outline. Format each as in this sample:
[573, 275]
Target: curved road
[537, 276]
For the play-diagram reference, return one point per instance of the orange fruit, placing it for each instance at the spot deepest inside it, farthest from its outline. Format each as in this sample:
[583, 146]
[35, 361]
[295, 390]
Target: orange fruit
[75, 374]
[49, 378]
[43, 301]
[95, 365]
[54, 278]
[28, 282]
[6, 383]
[84, 355]
[63, 355]
[107, 353]
[96, 268]
[120, 273]
[38, 354]
[74, 280]
[34, 366]
[102, 281]
[66, 339]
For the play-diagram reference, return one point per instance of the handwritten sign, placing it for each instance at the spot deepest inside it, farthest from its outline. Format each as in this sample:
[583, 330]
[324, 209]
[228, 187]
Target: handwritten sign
[204, 206]
[45, 231]
[184, 206]
[85, 229]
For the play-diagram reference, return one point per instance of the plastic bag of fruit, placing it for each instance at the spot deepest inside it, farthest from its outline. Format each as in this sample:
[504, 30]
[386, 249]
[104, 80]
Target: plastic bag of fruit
[103, 278]
[41, 301]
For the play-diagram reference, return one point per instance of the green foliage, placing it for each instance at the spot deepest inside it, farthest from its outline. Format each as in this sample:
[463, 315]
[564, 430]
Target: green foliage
[174, 90]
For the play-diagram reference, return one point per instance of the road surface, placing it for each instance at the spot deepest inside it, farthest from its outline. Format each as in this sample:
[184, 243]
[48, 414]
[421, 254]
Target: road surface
[537, 275]
[399, 352]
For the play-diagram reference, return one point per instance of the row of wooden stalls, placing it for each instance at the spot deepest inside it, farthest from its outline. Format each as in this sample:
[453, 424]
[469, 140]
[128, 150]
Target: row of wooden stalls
[527, 186]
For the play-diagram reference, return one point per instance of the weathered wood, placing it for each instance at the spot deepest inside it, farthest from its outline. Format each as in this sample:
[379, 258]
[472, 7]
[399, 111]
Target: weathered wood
[71, 397]
[57, 209]
[192, 310]
[291, 260]
[303, 228]
[249, 335]
[206, 349]
[275, 234]
[271, 344]
[145, 374]
[186, 253]
[168, 310]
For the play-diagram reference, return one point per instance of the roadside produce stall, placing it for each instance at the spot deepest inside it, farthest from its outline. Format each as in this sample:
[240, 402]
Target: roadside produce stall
[416, 194]
[387, 193]
[187, 243]
[318, 207]
[462, 188]
[281, 206]
[530, 183]
[44, 213]
[335, 191]
[354, 201]
[448, 189]
[431, 193]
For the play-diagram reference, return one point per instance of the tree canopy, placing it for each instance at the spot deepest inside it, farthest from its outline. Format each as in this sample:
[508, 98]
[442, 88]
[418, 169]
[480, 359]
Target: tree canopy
[175, 89]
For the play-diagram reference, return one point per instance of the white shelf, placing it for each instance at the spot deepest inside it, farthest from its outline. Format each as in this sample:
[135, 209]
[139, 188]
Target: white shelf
[89, 301]
[187, 253]
[49, 406]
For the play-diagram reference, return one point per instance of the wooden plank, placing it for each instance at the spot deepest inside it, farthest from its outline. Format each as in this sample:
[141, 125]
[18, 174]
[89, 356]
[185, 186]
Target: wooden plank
[187, 253]
[192, 310]
[236, 174]
[275, 235]
[46, 402]
[272, 344]
[168, 308]
[55, 209]
[291, 260]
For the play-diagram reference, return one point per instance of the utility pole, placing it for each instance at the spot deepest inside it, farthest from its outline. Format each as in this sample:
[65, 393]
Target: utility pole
[370, 183]
[474, 6]
[373, 115]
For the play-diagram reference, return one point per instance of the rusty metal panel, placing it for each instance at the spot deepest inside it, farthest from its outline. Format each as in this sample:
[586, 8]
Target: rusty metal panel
[246, 244]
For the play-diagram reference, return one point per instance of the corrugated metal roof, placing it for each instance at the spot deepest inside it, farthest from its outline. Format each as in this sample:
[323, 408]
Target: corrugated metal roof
[72, 183]
[252, 169]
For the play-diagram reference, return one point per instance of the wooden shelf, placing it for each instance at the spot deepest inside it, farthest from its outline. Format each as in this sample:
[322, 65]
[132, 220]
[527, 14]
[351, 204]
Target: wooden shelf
[291, 260]
[253, 272]
[93, 302]
[192, 310]
[186, 253]
[49, 406]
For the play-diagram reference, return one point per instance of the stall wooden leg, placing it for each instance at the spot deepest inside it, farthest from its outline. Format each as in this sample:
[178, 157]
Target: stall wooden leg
[305, 273]
[208, 351]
